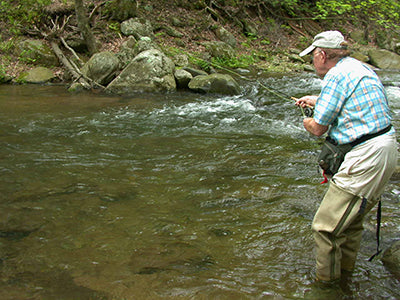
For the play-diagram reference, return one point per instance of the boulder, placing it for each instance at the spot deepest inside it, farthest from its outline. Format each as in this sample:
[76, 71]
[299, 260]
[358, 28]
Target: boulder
[220, 49]
[181, 60]
[145, 43]
[215, 83]
[391, 258]
[126, 52]
[150, 71]
[195, 72]
[36, 52]
[137, 27]
[37, 75]
[384, 59]
[360, 56]
[182, 78]
[102, 67]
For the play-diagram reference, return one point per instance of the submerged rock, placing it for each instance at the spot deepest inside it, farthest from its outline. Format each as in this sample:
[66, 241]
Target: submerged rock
[391, 258]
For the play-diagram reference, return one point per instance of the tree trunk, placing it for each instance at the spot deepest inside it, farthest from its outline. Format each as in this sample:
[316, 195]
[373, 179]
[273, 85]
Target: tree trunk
[84, 27]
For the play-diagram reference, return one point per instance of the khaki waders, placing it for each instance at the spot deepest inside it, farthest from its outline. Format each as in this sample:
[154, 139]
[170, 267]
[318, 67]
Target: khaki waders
[337, 225]
[337, 228]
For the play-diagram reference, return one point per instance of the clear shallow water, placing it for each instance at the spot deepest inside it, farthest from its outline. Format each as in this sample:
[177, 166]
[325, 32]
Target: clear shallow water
[167, 196]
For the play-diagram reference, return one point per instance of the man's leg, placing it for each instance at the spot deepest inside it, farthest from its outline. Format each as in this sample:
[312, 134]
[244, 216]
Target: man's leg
[337, 212]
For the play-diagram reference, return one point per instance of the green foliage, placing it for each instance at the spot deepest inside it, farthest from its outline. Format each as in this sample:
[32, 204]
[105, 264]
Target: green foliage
[21, 13]
[383, 13]
[2, 72]
[6, 46]
[242, 61]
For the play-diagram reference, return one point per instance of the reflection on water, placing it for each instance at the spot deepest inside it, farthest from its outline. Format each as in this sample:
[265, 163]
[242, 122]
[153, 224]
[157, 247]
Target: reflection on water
[166, 196]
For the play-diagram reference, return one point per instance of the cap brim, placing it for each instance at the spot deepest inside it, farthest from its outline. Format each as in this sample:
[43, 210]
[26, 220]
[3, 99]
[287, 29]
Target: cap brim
[307, 51]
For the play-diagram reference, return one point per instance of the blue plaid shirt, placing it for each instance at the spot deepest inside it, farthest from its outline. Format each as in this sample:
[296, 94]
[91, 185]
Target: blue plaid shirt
[353, 101]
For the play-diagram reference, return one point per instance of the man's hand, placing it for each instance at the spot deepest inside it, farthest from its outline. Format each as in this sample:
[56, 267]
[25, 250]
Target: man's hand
[306, 101]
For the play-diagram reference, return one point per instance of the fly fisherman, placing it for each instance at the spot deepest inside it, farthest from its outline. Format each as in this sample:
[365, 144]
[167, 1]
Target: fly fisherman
[353, 109]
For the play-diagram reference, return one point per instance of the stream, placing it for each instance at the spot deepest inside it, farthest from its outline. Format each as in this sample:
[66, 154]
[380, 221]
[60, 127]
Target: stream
[170, 196]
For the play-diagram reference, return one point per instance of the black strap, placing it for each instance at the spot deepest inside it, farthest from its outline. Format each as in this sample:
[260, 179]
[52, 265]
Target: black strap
[378, 230]
[363, 138]
[370, 136]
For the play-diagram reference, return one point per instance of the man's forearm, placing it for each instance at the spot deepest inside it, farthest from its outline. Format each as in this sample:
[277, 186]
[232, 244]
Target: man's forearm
[313, 127]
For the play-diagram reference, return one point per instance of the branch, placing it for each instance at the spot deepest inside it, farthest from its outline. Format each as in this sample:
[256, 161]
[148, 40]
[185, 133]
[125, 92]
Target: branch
[75, 74]
[72, 50]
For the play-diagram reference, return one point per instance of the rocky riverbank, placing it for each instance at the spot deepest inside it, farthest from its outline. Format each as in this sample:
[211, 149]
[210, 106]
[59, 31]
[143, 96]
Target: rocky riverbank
[141, 63]
[179, 35]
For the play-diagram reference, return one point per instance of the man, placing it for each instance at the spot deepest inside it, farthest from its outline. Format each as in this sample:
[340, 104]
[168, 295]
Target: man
[352, 104]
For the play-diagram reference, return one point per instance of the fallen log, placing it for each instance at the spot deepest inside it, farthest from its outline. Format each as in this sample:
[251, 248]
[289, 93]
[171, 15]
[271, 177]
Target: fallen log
[76, 74]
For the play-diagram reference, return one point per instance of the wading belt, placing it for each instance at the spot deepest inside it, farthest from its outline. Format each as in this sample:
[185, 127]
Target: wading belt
[370, 136]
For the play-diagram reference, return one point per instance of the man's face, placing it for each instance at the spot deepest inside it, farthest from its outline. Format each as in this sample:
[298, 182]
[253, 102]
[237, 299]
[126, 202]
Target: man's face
[319, 59]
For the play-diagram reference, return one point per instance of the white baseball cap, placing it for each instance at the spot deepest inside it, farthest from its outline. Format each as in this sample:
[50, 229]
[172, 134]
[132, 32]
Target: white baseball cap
[327, 39]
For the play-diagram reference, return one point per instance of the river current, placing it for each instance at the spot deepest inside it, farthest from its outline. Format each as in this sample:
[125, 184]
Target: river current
[170, 196]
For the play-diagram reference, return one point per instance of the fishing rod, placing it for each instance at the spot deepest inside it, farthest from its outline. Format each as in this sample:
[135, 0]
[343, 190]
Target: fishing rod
[306, 111]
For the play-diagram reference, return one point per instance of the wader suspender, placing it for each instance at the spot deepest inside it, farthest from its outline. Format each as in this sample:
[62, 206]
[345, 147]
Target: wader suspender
[378, 229]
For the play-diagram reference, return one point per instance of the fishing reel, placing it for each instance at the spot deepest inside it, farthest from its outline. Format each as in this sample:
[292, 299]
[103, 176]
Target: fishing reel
[308, 111]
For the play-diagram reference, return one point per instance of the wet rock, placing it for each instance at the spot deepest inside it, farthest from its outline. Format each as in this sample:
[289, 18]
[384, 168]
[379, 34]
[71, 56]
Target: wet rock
[391, 258]
[101, 67]
[37, 75]
[384, 59]
[215, 83]
[76, 87]
[150, 71]
[137, 27]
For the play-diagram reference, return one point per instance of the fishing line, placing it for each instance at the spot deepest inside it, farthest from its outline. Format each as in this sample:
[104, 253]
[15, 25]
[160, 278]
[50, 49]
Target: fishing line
[306, 111]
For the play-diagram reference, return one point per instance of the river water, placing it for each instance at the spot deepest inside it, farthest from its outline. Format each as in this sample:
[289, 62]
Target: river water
[169, 196]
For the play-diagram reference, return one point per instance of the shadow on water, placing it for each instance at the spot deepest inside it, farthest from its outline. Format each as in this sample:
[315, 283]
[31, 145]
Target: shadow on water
[176, 196]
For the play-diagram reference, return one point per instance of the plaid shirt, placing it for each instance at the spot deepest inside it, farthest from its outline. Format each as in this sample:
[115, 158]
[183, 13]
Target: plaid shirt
[353, 101]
